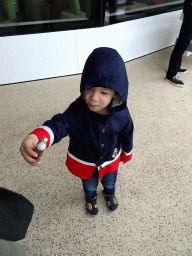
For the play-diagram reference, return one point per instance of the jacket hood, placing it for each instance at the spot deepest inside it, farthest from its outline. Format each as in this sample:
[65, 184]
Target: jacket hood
[105, 68]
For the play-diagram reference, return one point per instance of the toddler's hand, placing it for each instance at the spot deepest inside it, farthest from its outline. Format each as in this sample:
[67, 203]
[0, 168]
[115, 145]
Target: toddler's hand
[27, 149]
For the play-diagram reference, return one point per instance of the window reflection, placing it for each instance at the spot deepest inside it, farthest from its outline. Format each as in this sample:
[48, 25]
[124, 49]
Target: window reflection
[114, 8]
[22, 12]
[48, 12]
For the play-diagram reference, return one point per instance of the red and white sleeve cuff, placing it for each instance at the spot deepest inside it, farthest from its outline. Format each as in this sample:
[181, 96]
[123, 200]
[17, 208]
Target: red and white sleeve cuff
[125, 157]
[45, 132]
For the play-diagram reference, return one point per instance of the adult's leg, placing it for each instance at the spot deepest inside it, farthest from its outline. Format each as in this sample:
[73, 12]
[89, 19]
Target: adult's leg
[90, 186]
[181, 46]
[108, 182]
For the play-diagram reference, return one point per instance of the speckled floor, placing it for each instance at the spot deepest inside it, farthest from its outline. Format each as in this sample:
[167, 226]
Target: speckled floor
[154, 189]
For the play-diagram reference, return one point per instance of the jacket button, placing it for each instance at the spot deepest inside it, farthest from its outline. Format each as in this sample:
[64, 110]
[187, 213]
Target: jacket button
[103, 131]
[102, 145]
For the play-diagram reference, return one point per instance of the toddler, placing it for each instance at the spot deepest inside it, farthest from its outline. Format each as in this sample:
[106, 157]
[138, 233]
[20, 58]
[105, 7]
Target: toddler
[99, 126]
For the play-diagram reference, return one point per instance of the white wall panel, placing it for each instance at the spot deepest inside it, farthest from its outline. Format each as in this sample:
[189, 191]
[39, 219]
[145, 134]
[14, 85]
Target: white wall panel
[46, 55]
[37, 56]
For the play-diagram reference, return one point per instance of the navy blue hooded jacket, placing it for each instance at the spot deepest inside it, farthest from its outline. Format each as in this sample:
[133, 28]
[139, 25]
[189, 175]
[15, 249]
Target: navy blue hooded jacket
[96, 140]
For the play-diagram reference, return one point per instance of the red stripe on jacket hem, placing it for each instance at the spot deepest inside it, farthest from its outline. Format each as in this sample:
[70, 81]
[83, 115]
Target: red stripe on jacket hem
[110, 168]
[40, 133]
[80, 170]
[83, 171]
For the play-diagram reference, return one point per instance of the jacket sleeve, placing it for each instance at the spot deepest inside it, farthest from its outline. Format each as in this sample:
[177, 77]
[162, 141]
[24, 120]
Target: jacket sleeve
[56, 128]
[126, 140]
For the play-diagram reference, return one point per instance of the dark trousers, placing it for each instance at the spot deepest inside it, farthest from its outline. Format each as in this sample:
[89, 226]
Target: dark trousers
[108, 181]
[181, 46]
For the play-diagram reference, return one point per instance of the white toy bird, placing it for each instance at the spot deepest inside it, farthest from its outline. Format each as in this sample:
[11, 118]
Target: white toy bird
[41, 146]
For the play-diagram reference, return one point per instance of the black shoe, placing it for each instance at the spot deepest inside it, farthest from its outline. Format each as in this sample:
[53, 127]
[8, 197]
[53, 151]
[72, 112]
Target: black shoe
[174, 80]
[183, 70]
[91, 206]
[112, 202]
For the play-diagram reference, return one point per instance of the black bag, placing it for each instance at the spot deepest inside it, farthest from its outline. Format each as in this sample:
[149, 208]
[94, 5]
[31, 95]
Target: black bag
[15, 215]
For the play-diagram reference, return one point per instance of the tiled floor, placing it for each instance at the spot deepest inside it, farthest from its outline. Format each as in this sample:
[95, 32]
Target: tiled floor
[154, 189]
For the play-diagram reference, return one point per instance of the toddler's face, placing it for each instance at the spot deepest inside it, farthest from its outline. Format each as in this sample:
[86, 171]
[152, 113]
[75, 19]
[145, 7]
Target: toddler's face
[98, 98]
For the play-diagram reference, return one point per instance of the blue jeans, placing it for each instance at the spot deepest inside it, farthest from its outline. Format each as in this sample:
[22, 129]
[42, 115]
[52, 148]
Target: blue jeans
[181, 46]
[108, 182]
